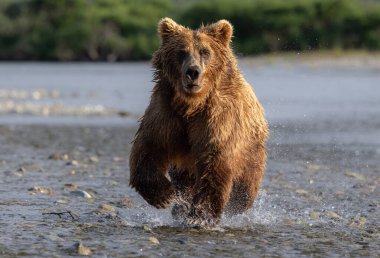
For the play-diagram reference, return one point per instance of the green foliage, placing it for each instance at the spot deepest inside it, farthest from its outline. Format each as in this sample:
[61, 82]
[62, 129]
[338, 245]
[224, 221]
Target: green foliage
[126, 29]
[293, 25]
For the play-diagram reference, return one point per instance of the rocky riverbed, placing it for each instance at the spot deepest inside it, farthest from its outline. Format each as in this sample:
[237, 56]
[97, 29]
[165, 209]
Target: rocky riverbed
[64, 185]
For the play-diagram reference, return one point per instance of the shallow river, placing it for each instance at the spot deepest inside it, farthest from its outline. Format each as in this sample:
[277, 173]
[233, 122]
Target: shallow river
[65, 131]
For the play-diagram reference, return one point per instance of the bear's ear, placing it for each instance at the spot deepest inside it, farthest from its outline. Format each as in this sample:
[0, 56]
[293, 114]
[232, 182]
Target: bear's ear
[221, 30]
[167, 27]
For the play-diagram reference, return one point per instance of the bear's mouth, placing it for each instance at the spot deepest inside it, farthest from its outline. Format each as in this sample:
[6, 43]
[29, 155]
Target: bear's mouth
[192, 87]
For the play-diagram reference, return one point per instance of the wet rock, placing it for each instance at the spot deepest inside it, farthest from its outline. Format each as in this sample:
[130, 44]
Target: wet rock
[73, 163]
[147, 229]
[355, 175]
[154, 240]
[21, 169]
[368, 187]
[126, 202]
[313, 167]
[333, 215]
[362, 220]
[70, 186]
[358, 222]
[315, 215]
[41, 189]
[302, 191]
[57, 156]
[182, 241]
[107, 210]
[81, 193]
[100, 212]
[19, 174]
[113, 183]
[30, 167]
[60, 201]
[82, 249]
[25, 225]
[339, 193]
[117, 159]
[94, 159]
[107, 207]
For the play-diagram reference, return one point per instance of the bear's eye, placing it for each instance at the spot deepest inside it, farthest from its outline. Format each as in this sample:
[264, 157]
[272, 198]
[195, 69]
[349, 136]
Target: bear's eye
[205, 54]
[181, 55]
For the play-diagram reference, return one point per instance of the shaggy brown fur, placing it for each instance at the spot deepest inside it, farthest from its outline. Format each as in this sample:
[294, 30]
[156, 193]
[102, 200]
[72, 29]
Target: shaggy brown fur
[202, 138]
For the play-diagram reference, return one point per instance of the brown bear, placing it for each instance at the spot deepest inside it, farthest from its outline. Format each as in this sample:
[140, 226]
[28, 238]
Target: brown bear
[202, 139]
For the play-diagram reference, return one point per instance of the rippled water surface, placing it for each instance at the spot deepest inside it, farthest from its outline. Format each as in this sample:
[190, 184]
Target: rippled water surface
[66, 130]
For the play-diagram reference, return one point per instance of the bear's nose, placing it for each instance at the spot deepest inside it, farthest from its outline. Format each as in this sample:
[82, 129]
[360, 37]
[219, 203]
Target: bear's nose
[193, 72]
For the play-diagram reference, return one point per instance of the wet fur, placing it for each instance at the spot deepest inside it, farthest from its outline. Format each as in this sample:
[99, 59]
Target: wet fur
[206, 150]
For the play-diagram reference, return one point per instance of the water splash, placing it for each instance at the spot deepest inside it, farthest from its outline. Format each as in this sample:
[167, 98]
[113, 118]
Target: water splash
[147, 215]
[262, 213]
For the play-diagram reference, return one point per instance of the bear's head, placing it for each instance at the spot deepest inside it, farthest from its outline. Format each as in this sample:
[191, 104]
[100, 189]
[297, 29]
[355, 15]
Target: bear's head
[192, 61]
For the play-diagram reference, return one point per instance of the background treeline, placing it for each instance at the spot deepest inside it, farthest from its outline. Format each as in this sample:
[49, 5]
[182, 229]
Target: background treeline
[126, 29]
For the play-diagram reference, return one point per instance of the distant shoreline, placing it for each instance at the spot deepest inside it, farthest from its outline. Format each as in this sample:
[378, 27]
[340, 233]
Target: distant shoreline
[335, 56]
[339, 59]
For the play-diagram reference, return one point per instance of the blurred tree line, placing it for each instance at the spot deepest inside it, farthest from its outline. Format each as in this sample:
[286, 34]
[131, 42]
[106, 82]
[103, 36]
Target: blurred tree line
[126, 29]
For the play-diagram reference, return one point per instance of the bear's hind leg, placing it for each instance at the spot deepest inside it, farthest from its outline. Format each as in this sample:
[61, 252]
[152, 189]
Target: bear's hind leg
[241, 198]
[246, 187]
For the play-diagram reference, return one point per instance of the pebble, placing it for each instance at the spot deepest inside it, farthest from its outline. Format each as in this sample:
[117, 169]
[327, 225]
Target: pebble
[355, 175]
[70, 186]
[339, 193]
[333, 215]
[362, 220]
[117, 159]
[126, 202]
[81, 193]
[61, 201]
[313, 167]
[83, 250]
[112, 182]
[94, 159]
[30, 167]
[107, 207]
[368, 187]
[56, 156]
[358, 223]
[146, 228]
[315, 215]
[22, 169]
[73, 163]
[19, 174]
[301, 191]
[41, 189]
[154, 240]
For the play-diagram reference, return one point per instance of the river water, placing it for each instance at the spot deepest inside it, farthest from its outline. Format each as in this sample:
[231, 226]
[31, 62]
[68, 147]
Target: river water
[66, 128]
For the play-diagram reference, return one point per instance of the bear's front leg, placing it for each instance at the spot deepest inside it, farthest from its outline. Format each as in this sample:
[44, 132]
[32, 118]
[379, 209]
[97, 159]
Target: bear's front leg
[147, 176]
[212, 192]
